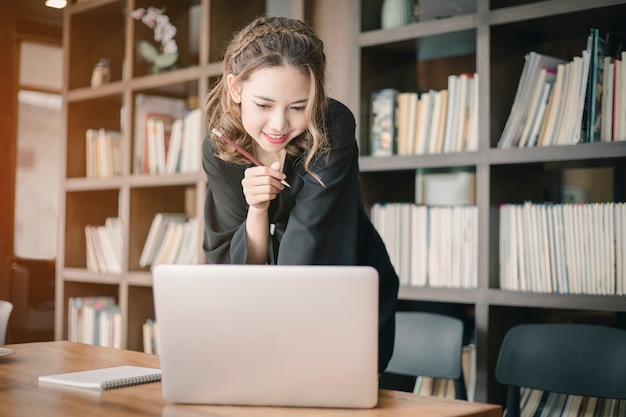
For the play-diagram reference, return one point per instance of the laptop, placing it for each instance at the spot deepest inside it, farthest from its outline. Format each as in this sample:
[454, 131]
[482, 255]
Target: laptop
[297, 336]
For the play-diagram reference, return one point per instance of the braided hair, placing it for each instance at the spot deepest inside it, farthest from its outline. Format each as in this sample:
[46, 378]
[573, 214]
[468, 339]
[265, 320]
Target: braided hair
[271, 42]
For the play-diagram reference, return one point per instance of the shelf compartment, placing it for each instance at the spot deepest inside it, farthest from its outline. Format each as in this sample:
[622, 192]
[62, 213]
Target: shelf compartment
[140, 308]
[226, 17]
[81, 289]
[84, 208]
[562, 36]
[416, 65]
[95, 34]
[145, 203]
[102, 112]
[443, 13]
[185, 16]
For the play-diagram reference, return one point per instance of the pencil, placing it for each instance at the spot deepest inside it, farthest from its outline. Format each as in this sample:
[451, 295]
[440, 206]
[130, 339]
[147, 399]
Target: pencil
[243, 151]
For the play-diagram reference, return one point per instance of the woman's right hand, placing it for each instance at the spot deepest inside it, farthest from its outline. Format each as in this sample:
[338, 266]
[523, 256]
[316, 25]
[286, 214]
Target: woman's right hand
[261, 185]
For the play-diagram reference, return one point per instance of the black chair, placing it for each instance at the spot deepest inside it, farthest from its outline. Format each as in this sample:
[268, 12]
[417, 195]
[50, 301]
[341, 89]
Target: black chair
[427, 344]
[576, 359]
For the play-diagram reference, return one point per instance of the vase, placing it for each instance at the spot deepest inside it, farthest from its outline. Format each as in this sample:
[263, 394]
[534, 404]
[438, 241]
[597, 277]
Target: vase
[396, 13]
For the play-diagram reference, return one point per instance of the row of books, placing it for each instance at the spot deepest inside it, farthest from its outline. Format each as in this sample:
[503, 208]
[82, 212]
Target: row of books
[409, 123]
[104, 156]
[432, 246]
[151, 337]
[543, 403]
[95, 320]
[172, 239]
[561, 102]
[168, 136]
[563, 248]
[104, 246]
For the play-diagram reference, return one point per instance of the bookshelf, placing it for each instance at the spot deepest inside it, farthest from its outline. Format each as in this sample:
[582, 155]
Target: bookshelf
[490, 38]
[97, 29]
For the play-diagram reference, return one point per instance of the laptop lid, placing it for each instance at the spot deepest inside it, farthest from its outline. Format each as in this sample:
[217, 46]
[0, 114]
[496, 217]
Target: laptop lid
[268, 335]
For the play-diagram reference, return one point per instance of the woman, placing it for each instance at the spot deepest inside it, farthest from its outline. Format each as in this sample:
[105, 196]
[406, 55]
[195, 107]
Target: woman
[271, 101]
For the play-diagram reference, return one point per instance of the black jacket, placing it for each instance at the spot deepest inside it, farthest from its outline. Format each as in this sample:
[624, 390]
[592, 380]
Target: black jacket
[313, 225]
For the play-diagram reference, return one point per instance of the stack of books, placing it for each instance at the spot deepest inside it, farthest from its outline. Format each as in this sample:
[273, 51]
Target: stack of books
[561, 102]
[409, 123]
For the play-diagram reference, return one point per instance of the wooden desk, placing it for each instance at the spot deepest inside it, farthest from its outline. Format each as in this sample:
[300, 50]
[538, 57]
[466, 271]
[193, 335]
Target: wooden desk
[21, 394]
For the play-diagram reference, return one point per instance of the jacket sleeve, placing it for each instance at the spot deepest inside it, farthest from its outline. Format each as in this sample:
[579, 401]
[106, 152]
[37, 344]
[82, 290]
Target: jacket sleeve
[322, 226]
[225, 210]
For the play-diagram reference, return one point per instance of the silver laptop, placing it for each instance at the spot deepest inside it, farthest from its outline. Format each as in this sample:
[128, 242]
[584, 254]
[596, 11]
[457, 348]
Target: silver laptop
[302, 336]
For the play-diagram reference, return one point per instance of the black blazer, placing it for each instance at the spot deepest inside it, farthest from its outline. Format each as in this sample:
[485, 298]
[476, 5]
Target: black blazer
[313, 225]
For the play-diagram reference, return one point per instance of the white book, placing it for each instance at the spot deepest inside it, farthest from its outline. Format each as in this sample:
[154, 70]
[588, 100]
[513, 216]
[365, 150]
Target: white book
[606, 133]
[173, 154]
[617, 244]
[570, 105]
[419, 245]
[617, 99]
[552, 129]
[451, 114]
[145, 105]
[112, 254]
[472, 127]
[189, 243]
[90, 249]
[547, 124]
[435, 122]
[520, 107]
[441, 128]
[423, 123]
[460, 142]
[105, 378]
[429, 121]
[412, 121]
[533, 134]
[155, 236]
[578, 136]
[192, 142]
[620, 115]
[402, 123]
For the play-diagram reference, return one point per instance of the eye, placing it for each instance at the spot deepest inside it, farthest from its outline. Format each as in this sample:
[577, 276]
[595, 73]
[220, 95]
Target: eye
[298, 108]
[262, 106]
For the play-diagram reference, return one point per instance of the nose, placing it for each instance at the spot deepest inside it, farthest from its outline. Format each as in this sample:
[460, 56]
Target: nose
[278, 121]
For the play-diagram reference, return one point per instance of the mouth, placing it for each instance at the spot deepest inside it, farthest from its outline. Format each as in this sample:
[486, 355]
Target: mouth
[275, 139]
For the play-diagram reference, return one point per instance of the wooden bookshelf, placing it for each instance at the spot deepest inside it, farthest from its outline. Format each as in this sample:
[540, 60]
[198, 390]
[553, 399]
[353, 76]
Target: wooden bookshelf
[501, 32]
[362, 58]
[104, 29]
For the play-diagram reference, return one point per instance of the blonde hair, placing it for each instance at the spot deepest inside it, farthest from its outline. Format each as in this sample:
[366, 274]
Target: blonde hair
[271, 42]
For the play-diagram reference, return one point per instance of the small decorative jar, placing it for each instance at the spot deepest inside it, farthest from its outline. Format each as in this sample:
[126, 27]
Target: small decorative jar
[101, 74]
[396, 13]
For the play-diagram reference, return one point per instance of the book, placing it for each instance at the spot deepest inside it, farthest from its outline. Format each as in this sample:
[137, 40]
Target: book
[145, 105]
[592, 120]
[191, 151]
[531, 72]
[383, 129]
[105, 378]
[155, 236]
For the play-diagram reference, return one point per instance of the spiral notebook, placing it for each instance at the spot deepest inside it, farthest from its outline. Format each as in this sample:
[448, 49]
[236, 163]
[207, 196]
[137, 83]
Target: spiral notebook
[105, 378]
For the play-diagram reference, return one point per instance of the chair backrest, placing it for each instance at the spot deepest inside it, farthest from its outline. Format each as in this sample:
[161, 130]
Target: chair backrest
[5, 312]
[429, 344]
[577, 359]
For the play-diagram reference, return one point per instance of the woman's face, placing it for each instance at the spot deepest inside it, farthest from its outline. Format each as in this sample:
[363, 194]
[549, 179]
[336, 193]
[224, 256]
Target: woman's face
[273, 102]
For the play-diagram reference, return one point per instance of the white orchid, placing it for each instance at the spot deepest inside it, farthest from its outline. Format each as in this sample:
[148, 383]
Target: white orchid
[164, 32]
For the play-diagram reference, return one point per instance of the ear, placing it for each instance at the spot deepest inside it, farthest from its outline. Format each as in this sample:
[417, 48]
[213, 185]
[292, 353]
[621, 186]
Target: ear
[234, 88]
